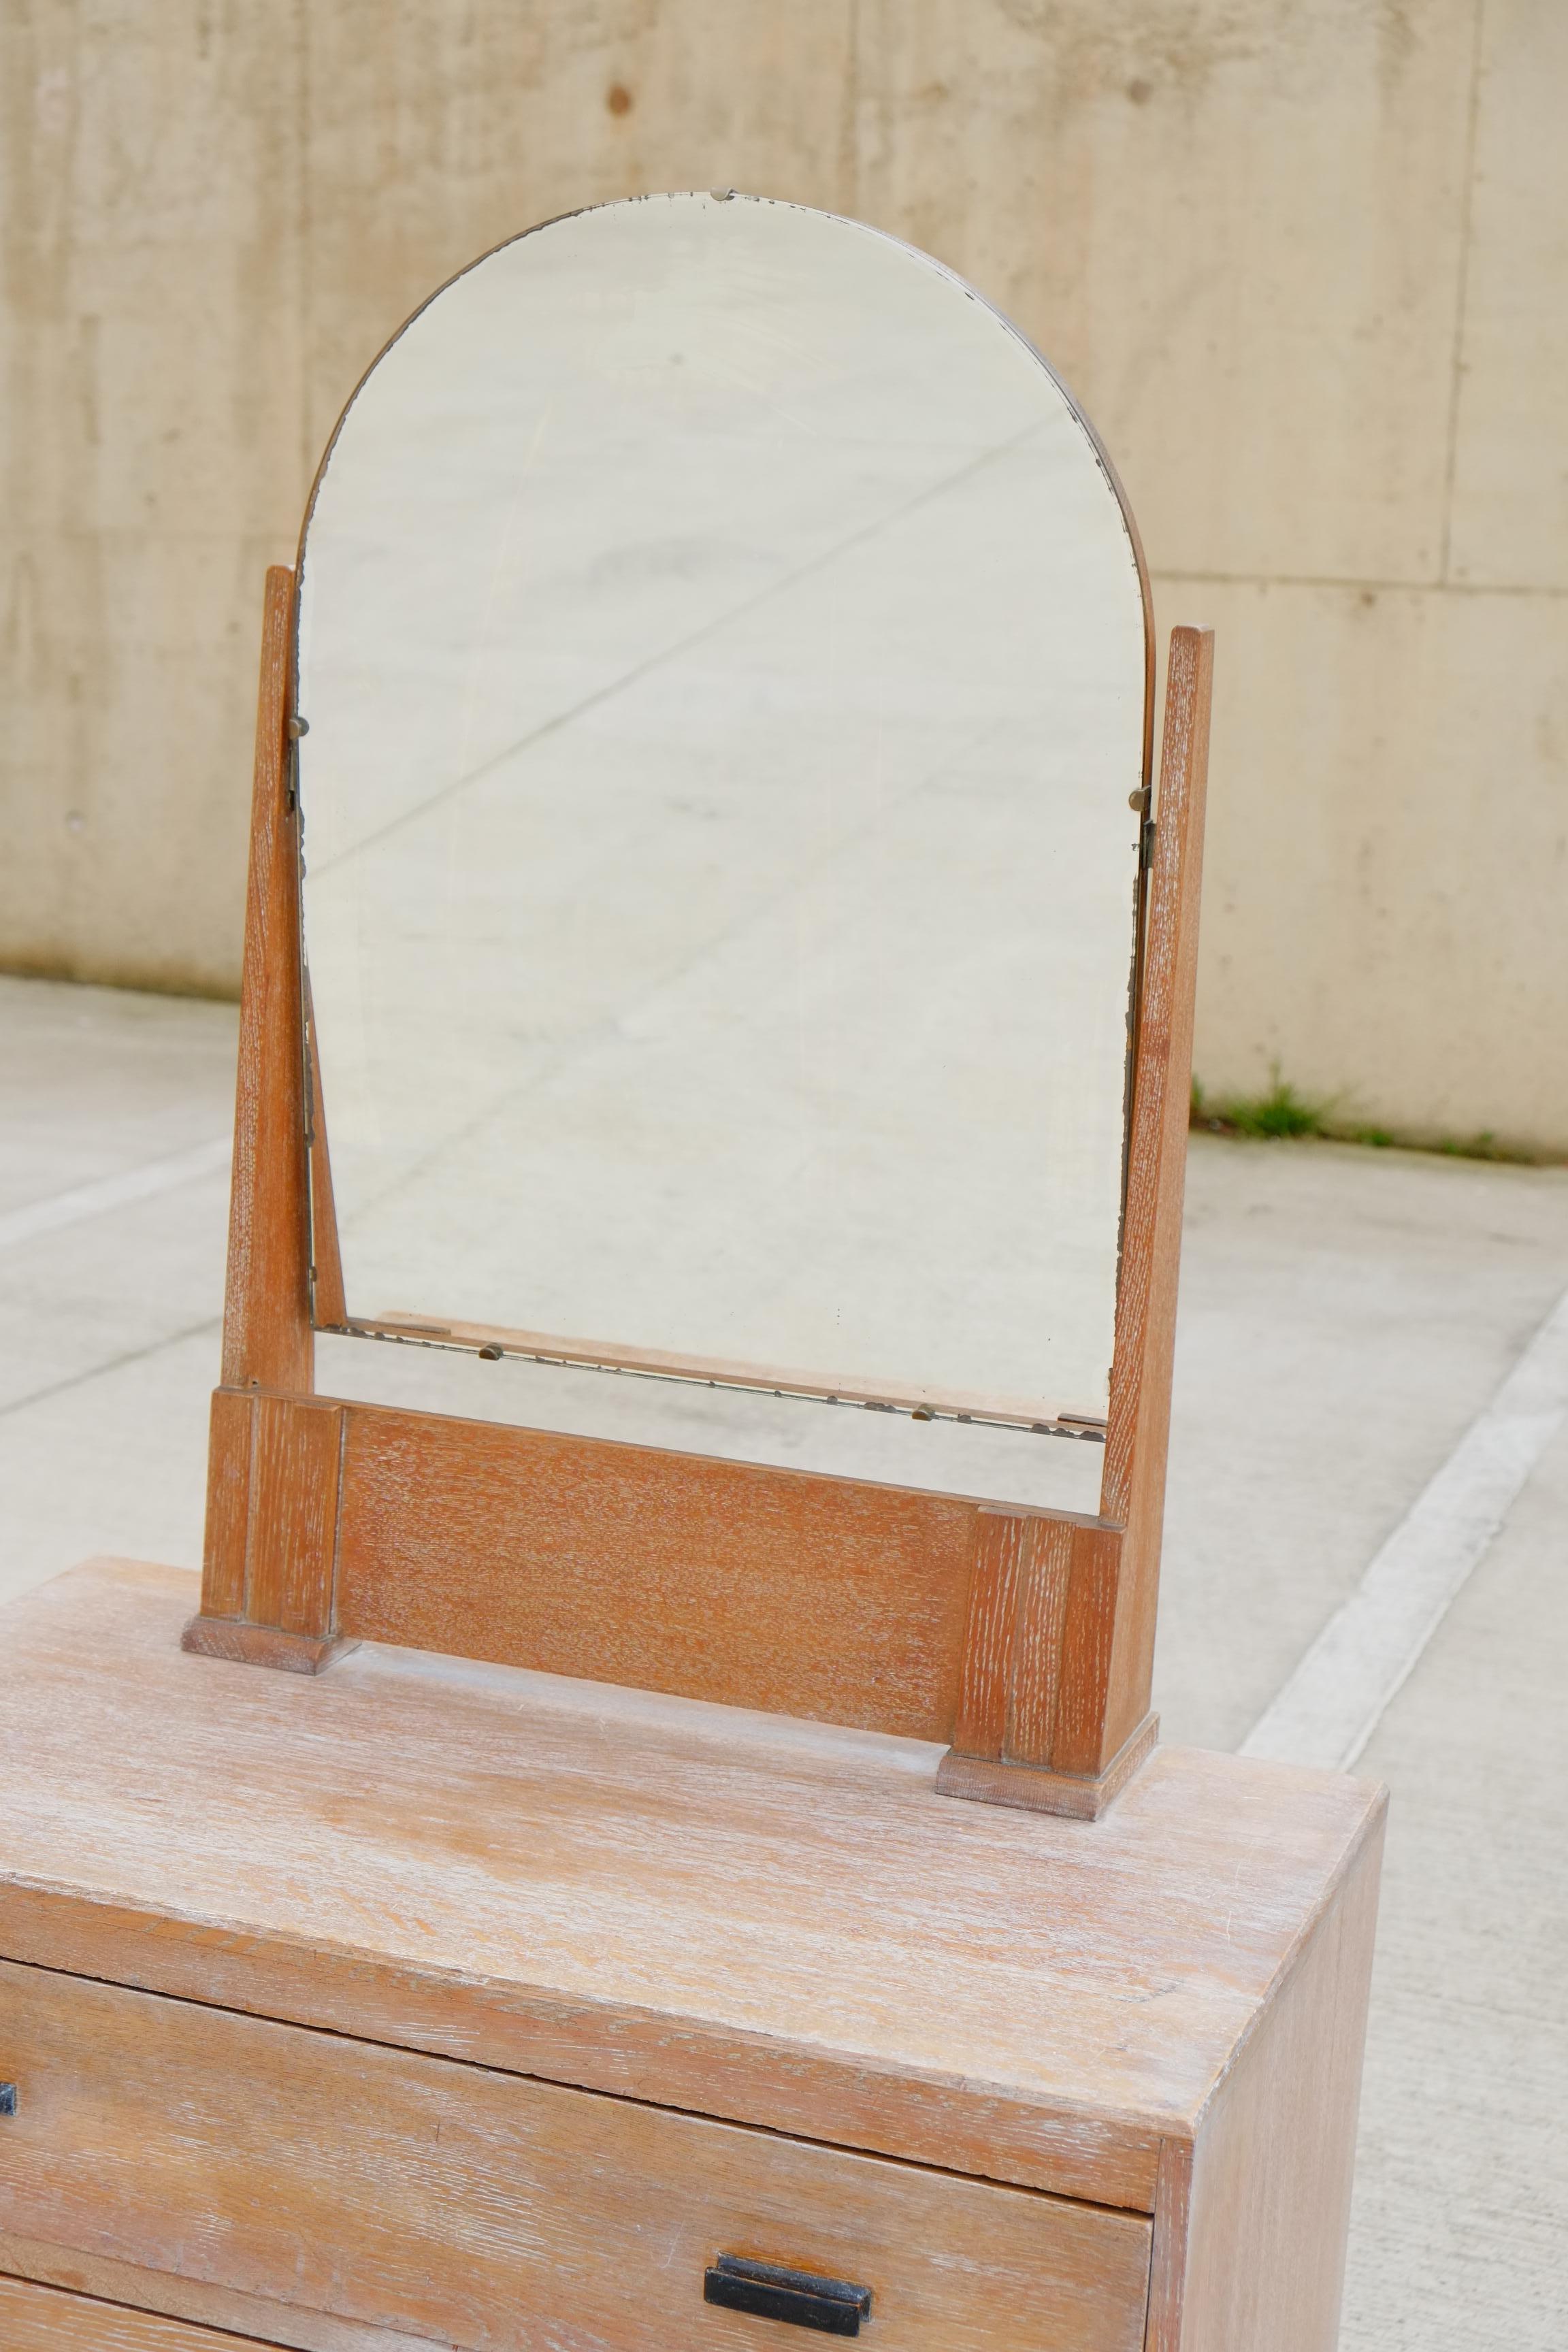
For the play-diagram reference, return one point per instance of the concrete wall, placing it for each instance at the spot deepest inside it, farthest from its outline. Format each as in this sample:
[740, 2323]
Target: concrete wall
[1305, 261]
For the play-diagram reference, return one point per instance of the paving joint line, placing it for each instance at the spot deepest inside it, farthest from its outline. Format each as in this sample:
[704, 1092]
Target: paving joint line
[1328, 1710]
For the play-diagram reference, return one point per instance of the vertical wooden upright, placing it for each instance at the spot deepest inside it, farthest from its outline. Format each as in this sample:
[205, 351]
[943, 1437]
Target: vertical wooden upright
[1053, 1713]
[272, 1473]
[1132, 1490]
[267, 1340]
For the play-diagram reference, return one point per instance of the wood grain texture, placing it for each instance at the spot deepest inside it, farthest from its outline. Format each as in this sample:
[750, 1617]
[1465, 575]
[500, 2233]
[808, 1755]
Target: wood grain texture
[1002, 1541]
[267, 1302]
[328, 1307]
[291, 1564]
[773, 1921]
[36, 2318]
[1276, 2149]
[1037, 1648]
[1034, 1677]
[230, 1437]
[1106, 1674]
[1017, 1595]
[764, 1588]
[268, 1589]
[161, 2295]
[1091, 1610]
[398, 2189]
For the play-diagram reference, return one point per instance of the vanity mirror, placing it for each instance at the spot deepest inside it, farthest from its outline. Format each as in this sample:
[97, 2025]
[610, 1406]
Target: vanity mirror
[713, 715]
[725, 661]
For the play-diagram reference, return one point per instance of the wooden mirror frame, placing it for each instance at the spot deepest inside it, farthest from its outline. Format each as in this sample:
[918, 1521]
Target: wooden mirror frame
[1023, 1637]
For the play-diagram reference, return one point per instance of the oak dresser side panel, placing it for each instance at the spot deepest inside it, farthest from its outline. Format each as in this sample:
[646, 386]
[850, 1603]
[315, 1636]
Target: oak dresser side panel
[1271, 2172]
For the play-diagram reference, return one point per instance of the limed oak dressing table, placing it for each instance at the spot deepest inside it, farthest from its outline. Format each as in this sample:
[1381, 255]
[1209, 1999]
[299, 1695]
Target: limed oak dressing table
[687, 1870]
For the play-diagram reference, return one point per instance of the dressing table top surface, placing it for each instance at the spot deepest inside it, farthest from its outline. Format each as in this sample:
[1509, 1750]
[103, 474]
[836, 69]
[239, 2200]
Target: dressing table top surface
[739, 1914]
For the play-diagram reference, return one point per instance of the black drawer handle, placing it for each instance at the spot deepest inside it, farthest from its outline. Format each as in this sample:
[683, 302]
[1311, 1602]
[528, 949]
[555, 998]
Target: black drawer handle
[7, 2098]
[800, 2296]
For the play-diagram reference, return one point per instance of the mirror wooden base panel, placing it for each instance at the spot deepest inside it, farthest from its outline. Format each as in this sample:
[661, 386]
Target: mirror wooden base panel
[930, 1616]
[442, 2001]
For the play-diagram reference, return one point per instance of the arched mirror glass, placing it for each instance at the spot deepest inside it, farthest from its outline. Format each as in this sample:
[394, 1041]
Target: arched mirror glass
[724, 664]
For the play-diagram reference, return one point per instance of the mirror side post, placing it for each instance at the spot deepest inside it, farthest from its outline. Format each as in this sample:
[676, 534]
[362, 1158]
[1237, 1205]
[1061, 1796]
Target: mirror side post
[1133, 1489]
[1053, 1707]
[273, 1453]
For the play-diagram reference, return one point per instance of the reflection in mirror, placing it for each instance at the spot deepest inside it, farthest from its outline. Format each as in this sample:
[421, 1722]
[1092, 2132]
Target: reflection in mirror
[723, 657]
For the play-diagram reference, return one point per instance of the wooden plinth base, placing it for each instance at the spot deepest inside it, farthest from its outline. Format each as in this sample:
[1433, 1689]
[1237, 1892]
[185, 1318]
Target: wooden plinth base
[1038, 1791]
[263, 1645]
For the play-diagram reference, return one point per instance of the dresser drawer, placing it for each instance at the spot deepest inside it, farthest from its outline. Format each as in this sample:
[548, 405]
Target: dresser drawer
[491, 2210]
[46, 2319]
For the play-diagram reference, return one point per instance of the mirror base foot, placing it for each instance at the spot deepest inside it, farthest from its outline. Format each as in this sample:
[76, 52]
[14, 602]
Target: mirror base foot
[987, 1780]
[236, 1639]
